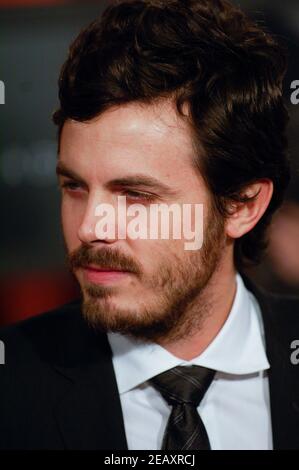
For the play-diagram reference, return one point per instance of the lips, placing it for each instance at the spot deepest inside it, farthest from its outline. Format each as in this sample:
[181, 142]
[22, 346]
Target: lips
[103, 275]
[91, 267]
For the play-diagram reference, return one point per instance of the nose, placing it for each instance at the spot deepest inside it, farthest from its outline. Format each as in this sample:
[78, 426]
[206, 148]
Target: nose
[94, 218]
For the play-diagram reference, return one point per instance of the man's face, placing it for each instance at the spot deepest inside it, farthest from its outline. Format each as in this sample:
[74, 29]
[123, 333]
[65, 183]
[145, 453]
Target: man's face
[144, 153]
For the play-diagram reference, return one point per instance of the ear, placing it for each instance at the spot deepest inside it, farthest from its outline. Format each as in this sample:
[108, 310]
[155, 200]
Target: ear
[245, 215]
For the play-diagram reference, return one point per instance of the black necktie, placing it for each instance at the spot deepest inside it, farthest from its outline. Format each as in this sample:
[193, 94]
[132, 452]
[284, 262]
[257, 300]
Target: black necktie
[184, 387]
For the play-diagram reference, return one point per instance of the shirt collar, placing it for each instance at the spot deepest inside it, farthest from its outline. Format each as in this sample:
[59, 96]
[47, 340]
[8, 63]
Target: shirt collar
[238, 348]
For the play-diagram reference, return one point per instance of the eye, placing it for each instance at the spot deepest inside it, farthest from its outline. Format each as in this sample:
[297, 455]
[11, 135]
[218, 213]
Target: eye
[138, 196]
[71, 185]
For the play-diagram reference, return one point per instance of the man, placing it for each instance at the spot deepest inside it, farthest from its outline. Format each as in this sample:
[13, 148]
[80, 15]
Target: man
[163, 102]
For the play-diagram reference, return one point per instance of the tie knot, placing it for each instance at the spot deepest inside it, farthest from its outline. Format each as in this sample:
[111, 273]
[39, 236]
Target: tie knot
[184, 384]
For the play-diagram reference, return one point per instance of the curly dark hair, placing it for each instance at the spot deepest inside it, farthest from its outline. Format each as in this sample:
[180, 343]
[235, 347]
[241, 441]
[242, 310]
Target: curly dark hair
[204, 53]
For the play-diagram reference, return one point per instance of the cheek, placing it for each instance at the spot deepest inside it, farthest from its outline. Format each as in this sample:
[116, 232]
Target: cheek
[71, 217]
[155, 254]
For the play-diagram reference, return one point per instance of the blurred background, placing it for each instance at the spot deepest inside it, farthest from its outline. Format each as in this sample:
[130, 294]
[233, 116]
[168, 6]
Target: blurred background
[34, 40]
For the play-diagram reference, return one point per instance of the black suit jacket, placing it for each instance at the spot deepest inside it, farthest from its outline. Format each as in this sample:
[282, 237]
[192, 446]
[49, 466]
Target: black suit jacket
[58, 389]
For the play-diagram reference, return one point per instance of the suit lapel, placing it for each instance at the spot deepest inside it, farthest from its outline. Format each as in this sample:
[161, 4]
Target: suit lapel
[283, 376]
[88, 413]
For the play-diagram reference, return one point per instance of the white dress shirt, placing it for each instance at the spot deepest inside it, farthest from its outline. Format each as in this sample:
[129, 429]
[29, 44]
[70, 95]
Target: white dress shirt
[235, 409]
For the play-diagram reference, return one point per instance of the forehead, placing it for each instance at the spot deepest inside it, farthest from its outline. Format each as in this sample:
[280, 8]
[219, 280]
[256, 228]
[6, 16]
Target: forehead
[133, 137]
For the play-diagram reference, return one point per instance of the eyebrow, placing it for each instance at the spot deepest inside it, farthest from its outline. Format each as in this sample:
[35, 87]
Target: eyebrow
[63, 170]
[136, 180]
[146, 181]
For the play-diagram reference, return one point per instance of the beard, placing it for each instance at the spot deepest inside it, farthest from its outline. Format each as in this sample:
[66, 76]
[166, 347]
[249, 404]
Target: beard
[179, 299]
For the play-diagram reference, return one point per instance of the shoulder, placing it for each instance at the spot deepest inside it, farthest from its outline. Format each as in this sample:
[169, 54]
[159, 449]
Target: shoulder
[40, 321]
[279, 311]
[284, 311]
[43, 334]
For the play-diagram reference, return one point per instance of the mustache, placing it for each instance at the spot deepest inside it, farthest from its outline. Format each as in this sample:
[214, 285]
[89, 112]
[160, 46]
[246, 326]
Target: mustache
[84, 256]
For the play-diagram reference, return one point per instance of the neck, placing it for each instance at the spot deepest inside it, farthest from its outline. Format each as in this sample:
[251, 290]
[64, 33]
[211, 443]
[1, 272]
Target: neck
[216, 302]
